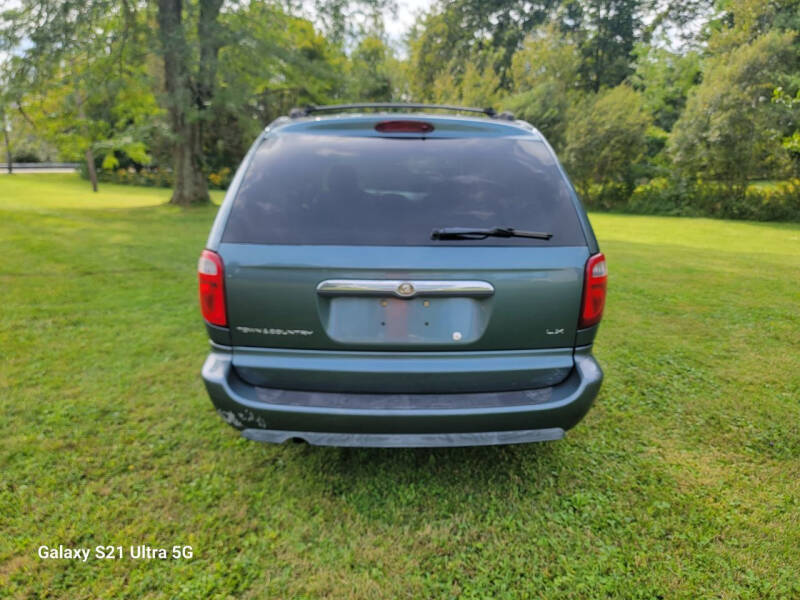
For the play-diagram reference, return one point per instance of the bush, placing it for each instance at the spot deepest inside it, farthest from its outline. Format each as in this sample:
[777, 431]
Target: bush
[154, 177]
[729, 131]
[221, 179]
[610, 196]
[25, 156]
[779, 202]
[147, 177]
[662, 196]
[605, 138]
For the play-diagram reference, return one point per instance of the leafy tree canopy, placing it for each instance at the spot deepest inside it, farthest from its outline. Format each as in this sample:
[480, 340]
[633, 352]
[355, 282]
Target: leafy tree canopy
[730, 131]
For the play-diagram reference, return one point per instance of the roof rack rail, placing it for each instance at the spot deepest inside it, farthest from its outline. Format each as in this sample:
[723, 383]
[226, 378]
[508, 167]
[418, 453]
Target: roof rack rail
[296, 113]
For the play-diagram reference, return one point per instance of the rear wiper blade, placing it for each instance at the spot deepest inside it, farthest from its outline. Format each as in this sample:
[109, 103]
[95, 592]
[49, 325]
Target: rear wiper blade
[471, 233]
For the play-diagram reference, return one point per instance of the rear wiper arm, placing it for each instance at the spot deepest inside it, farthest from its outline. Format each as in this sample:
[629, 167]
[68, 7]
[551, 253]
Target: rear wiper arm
[471, 233]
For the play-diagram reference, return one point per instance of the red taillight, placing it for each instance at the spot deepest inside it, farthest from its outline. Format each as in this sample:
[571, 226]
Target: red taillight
[594, 291]
[404, 127]
[212, 288]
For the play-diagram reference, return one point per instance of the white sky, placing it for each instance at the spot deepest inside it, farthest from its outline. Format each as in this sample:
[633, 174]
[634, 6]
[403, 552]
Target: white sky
[397, 27]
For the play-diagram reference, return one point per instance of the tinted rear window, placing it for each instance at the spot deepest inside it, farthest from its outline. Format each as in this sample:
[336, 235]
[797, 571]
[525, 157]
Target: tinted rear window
[324, 189]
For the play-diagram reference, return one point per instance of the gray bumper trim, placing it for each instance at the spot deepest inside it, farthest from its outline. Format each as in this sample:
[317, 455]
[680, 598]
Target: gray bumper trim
[407, 440]
[445, 419]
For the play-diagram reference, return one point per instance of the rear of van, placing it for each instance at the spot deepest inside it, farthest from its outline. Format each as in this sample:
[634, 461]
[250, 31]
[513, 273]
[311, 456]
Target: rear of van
[401, 280]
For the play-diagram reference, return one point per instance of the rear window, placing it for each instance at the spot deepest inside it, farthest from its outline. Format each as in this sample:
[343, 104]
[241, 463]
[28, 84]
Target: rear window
[325, 189]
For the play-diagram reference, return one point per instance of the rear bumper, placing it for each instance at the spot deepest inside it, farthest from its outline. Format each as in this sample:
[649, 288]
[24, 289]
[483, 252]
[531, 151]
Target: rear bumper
[402, 420]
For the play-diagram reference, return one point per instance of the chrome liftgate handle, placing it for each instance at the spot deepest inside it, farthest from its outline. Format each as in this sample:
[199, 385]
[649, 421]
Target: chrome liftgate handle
[404, 288]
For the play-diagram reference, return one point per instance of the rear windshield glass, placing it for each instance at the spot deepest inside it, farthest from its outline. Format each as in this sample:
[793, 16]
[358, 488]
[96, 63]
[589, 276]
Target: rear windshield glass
[324, 189]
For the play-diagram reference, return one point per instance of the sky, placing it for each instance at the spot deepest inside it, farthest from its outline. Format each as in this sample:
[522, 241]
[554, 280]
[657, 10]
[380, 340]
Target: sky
[397, 27]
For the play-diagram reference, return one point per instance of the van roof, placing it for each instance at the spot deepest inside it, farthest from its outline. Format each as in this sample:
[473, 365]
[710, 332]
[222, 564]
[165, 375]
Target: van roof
[363, 124]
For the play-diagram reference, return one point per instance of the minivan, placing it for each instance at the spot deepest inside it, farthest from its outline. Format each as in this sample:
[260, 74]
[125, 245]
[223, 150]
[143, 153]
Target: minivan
[395, 276]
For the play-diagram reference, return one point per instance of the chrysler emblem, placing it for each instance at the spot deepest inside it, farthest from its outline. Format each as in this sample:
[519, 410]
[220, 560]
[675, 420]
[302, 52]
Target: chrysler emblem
[405, 289]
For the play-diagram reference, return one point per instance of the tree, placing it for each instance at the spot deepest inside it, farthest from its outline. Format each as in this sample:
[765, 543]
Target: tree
[791, 106]
[372, 72]
[730, 131]
[665, 78]
[478, 85]
[5, 103]
[607, 31]
[192, 37]
[6, 140]
[742, 21]
[677, 24]
[545, 82]
[280, 62]
[190, 71]
[20, 142]
[450, 36]
[74, 64]
[433, 47]
[346, 20]
[604, 138]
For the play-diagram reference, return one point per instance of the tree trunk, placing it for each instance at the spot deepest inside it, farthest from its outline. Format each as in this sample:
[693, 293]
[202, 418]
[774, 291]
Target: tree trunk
[89, 154]
[190, 186]
[9, 166]
[90, 166]
[209, 37]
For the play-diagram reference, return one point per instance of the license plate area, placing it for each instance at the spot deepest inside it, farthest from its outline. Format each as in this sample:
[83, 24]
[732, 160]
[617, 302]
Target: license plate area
[394, 321]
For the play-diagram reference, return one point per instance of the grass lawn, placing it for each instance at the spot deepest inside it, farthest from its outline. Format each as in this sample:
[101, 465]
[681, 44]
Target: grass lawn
[682, 482]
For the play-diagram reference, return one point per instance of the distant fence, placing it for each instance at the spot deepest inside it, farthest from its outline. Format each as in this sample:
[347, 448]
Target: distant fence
[39, 166]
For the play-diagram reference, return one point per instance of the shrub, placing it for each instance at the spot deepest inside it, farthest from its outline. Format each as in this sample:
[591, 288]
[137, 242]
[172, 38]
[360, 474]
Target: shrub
[605, 137]
[25, 156]
[610, 196]
[662, 196]
[729, 130]
[779, 202]
[221, 179]
[152, 177]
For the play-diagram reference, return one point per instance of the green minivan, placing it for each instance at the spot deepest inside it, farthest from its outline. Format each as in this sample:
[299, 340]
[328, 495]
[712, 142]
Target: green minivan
[400, 277]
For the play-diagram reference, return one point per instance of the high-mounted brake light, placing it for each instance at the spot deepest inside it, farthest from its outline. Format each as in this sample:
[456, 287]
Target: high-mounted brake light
[594, 291]
[404, 127]
[211, 276]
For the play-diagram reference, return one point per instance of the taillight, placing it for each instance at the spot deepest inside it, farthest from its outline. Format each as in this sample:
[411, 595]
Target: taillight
[594, 291]
[404, 127]
[212, 288]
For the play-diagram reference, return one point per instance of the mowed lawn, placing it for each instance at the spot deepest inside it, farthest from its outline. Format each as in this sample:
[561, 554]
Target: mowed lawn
[682, 482]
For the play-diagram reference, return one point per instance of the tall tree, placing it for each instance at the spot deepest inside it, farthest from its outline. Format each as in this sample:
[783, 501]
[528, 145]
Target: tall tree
[546, 82]
[5, 102]
[189, 79]
[730, 131]
[607, 31]
[280, 62]
[373, 71]
[63, 40]
[454, 33]
[344, 21]
[6, 140]
[605, 137]
[72, 60]
[665, 78]
[477, 85]
[192, 34]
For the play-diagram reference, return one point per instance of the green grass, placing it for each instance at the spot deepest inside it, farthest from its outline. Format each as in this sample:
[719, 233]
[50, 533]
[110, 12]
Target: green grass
[682, 482]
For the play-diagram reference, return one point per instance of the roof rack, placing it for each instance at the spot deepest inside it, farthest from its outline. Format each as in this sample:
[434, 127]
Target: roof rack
[296, 113]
